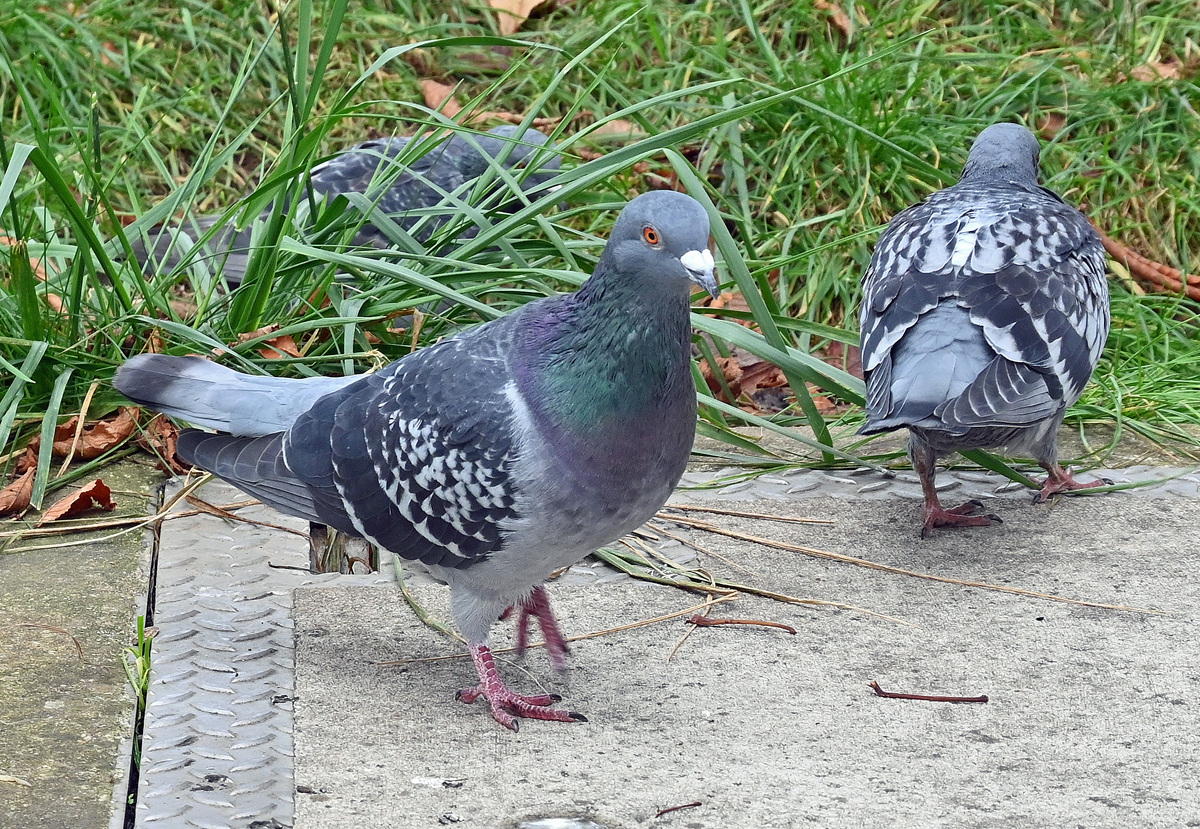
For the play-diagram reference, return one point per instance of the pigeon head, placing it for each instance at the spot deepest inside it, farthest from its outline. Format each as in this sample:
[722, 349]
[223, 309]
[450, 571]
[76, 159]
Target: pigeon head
[660, 242]
[1007, 152]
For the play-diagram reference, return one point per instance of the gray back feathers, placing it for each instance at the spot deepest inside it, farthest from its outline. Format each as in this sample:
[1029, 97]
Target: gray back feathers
[984, 307]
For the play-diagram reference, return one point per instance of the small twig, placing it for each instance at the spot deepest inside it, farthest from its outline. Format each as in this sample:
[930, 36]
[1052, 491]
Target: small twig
[78, 646]
[670, 809]
[879, 692]
[594, 634]
[1151, 274]
[705, 550]
[705, 622]
[862, 562]
[737, 513]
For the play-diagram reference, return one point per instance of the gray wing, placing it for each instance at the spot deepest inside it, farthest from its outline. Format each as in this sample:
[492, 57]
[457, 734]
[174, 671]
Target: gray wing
[1027, 274]
[418, 458]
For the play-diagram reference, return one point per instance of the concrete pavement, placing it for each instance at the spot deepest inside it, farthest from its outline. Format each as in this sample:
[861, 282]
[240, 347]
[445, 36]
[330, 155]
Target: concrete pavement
[274, 700]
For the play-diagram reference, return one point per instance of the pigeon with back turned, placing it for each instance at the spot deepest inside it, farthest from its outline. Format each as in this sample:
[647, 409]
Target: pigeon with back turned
[414, 196]
[495, 456]
[985, 310]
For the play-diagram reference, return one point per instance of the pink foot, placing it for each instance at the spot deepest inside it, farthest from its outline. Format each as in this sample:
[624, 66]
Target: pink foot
[537, 606]
[1060, 480]
[507, 705]
[960, 516]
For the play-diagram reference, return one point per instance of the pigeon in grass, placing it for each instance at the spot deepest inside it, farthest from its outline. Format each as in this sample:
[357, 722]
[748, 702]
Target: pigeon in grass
[496, 456]
[410, 196]
[984, 312]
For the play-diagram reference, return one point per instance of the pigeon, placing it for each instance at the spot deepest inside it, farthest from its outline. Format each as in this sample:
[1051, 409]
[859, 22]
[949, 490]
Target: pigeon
[496, 456]
[406, 196]
[985, 310]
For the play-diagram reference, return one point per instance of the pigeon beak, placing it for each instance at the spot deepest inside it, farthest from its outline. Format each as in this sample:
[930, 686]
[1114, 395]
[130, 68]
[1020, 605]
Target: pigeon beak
[700, 266]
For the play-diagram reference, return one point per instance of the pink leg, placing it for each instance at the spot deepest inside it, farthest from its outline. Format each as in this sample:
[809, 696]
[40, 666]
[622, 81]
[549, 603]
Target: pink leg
[507, 705]
[1060, 480]
[935, 515]
[537, 605]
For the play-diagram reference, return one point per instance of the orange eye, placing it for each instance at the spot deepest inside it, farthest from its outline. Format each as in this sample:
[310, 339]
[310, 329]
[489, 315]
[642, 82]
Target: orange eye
[650, 235]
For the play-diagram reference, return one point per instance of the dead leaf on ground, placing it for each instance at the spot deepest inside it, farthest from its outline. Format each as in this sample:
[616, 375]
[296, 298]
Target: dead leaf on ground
[732, 301]
[96, 493]
[440, 95]
[1050, 125]
[272, 348]
[846, 357]
[618, 127]
[26, 462]
[1167, 69]
[95, 439]
[278, 347]
[15, 497]
[840, 20]
[159, 438]
[747, 377]
[512, 14]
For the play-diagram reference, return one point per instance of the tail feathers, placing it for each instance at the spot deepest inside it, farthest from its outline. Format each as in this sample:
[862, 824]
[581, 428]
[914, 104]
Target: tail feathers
[254, 465]
[257, 466]
[205, 394]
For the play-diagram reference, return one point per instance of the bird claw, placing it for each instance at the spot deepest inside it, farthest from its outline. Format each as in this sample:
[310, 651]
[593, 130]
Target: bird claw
[1061, 480]
[508, 705]
[961, 516]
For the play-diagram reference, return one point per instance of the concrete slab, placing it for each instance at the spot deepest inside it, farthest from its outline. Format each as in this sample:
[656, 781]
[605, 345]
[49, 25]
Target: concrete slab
[1092, 718]
[63, 715]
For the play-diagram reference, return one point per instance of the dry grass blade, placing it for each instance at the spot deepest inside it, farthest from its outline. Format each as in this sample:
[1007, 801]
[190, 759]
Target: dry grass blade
[63, 631]
[203, 506]
[701, 581]
[593, 635]
[705, 550]
[83, 410]
[862, 562]
[788, 519]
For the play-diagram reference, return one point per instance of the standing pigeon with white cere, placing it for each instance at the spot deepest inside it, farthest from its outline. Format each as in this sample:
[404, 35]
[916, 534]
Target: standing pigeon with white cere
[985, 310]
[496, 456]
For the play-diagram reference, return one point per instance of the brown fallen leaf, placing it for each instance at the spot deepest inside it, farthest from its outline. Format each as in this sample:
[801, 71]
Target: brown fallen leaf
[618, 128]
[1050, 125]
[15, 497]
[840, 20]
[159, 438]
[440, 95]
[278, 347]
[96, 493]
[512, 14]
[846, 357]
[95, 439]
[26, 462]
[1168, 69]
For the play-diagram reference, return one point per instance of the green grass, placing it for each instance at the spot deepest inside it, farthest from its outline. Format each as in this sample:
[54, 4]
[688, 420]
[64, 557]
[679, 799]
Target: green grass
[804, 141]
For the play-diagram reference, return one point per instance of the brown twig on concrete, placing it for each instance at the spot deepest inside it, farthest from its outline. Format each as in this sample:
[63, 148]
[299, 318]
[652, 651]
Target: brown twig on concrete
[879, 692]
[704, 621]
[669, 809]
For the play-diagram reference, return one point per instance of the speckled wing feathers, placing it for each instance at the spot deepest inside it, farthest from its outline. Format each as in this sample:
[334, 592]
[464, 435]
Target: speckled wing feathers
[422, 468]
[1025, 268]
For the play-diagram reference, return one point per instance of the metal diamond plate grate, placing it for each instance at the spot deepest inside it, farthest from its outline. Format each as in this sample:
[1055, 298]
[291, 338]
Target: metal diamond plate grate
[217, 745]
